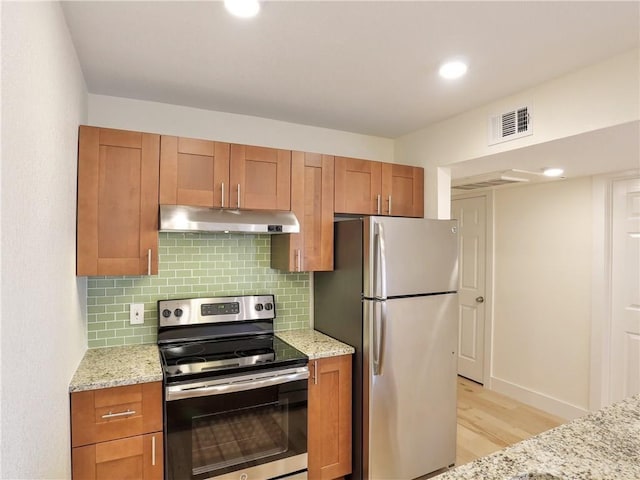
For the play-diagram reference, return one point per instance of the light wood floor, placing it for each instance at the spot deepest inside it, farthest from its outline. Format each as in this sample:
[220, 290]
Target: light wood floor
[488, 421]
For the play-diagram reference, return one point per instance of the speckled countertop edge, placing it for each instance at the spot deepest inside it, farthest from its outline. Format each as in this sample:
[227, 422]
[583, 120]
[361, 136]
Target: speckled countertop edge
[132, 364]
[117, 366]
[315, 344]
[604, 445]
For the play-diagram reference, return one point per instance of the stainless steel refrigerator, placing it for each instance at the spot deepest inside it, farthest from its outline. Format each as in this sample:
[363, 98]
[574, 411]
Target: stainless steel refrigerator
[392, 296]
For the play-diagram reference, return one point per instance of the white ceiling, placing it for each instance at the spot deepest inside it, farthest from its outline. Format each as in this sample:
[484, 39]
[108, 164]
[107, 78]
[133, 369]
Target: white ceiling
[365, 67]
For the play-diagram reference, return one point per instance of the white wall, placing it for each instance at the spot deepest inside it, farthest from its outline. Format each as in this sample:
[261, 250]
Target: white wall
[43, 313]
[542, 288]
[1, 357]
[593, 98]
[128, 114]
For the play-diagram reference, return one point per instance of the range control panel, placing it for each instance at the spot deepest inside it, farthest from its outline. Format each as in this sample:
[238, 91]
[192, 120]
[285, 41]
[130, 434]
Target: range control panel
[193, 311]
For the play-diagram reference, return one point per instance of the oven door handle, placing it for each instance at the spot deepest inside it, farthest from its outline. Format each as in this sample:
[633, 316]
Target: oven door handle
[179, 392]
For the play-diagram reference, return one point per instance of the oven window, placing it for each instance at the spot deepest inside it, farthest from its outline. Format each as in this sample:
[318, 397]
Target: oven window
[212, 436]
[234, 437]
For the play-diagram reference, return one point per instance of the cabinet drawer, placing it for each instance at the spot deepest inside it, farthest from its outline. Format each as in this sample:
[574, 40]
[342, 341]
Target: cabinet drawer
[111, 413]
[139, 457]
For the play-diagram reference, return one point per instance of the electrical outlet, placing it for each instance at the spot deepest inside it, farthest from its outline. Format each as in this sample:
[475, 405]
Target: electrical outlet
[136, 313]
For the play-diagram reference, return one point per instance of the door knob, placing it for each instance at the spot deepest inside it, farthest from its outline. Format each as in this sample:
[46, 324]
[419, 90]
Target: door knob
[480, 299]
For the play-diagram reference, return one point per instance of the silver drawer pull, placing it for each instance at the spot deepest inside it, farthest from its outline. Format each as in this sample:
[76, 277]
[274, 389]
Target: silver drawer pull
[119, 414]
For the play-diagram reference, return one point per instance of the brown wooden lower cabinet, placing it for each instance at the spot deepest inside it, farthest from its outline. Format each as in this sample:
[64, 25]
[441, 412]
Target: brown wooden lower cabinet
[133, 458]
[116, 433]
[329, 435]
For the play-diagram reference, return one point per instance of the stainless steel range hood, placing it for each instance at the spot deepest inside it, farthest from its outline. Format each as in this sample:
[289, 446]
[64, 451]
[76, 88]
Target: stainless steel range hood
[182, 218]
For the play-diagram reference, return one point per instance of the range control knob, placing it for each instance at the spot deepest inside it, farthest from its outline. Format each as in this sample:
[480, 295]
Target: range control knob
[268, 306]
[178, 312]
[166, 313]
[258, 307]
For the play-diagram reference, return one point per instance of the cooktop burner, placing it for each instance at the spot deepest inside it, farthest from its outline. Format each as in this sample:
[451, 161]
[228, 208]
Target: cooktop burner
[226, 356]
[205, 337]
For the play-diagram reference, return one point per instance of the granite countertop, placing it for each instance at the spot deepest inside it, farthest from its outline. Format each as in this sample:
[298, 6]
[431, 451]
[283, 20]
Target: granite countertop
[604, 445]
[315, 344]
[131, 364]
[117, 366]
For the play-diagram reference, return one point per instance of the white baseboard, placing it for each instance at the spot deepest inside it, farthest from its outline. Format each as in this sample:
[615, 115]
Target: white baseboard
[538, 400]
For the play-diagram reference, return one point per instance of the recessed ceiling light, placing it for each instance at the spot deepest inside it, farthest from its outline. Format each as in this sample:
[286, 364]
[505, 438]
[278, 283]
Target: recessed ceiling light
[453, 69]
[242, 8]
[552, 172]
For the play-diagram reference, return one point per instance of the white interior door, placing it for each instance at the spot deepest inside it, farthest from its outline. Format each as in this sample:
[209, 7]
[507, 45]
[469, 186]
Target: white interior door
[472, 216]
[625, 290]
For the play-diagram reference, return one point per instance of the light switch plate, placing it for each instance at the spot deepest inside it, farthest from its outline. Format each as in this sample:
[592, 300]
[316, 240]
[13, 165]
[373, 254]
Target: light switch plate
[136, 313]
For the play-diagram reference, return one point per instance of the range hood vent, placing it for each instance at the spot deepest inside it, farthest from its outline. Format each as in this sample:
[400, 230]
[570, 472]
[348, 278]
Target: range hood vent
[182, 218]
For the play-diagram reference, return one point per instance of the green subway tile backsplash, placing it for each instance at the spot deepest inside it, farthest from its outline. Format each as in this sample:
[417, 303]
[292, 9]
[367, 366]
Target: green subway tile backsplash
[194, 265]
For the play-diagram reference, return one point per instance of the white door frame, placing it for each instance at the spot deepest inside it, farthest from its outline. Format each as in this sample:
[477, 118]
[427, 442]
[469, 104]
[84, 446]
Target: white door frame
[489, 267]
[599, 390]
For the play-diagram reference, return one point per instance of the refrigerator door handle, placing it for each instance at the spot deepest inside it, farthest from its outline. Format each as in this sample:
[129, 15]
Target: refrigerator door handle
[379, 322]
[380, 264]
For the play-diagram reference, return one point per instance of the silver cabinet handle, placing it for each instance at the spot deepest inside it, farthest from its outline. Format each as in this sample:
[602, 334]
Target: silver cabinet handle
[222, 198]
[389, 204]
[238, 195]
[119, 414]
[315, 372]
[149, 262]
[153, 451]
[378, 203]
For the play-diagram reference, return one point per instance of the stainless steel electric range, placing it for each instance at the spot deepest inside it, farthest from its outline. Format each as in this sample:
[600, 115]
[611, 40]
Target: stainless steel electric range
[235, 394]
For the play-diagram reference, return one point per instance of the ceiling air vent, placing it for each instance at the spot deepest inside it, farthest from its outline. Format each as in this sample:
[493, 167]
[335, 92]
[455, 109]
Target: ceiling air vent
[510, 125]
[492, 179]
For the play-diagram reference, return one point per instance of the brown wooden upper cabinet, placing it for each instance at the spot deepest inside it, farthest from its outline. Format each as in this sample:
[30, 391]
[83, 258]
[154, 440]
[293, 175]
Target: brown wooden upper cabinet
[217, 174]
[194, 172]
[310, 250]
[402, 190]
[117, 202]
[260, 178]
[375, 188]
[357, 186]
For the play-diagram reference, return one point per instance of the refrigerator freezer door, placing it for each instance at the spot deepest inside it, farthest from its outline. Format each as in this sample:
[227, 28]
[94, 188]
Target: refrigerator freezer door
[420, 256]
[412, 401]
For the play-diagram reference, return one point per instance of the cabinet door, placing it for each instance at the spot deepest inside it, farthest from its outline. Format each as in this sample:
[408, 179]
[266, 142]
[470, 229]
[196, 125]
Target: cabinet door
[310, 250]
[132, 458]
[260, 178]
[329, 436]
[194, 172]
[402, 190]
[357, 186]
[117, 202]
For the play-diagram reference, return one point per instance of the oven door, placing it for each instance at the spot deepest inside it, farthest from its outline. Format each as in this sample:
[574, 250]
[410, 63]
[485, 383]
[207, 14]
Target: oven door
[248, 427]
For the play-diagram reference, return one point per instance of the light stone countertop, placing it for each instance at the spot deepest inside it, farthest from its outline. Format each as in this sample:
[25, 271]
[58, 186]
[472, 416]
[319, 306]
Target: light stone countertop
[603, 445]
[315, 344]
[132, 364]
[117, 366]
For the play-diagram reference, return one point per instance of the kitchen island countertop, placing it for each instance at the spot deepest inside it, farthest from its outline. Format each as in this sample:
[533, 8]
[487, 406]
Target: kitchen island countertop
[315, 344]
[603, 445]
[131, 364]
